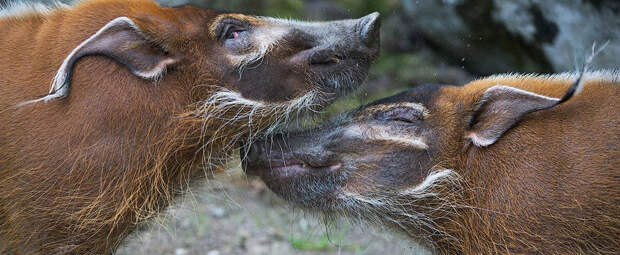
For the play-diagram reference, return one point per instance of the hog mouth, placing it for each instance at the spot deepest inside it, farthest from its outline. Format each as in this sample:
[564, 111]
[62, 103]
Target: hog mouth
[306, 180]
[325, 188]
[292, 169]
[228, 120]
[339, 82]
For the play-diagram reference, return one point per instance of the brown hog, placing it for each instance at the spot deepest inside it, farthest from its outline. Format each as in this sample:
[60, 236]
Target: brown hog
[144, 100]
[506, 164]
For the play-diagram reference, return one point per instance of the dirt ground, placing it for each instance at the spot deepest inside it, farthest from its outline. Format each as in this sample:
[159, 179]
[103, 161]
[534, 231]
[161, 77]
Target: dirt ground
[232, 214]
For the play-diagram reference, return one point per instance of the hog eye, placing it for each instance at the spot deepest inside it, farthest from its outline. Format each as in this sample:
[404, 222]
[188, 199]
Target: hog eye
[401, 114]
[233, 33]
[231, 30]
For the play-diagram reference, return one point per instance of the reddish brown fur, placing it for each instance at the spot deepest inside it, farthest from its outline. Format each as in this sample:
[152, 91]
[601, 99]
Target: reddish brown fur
[98, 186]
[78, 174]
[549, 185]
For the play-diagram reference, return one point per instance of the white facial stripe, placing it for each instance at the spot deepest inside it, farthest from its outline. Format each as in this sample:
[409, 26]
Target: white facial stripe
[415, 106]
[328, 33]
[225, 98]
[410, 142]
[263, 40]
[298, 23]
[382, 133]
[286, 111]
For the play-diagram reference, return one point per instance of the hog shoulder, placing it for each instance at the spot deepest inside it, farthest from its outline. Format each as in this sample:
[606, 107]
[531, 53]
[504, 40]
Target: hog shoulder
[552, 179]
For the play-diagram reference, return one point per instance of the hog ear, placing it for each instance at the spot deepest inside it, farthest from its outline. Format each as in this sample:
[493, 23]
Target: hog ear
[500, 108]
[120, 40]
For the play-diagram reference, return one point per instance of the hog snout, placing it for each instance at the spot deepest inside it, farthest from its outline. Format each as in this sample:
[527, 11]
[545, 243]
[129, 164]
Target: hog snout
[332, 42]
[369, 27]
[276, 159]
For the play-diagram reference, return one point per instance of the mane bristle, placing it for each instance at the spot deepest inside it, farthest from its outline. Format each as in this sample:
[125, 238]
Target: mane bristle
[16, 8]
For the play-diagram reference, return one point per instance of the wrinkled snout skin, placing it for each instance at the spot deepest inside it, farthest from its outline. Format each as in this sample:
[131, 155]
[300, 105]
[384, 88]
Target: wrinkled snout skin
[281, 60]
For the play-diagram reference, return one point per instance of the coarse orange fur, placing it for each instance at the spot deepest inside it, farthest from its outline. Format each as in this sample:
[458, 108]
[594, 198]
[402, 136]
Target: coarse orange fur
[549, 185]
[78, 174]
[67, 184]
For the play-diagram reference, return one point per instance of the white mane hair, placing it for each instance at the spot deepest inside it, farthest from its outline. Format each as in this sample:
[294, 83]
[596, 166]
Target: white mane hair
[225, 109]
[611, 75]
[18, 8]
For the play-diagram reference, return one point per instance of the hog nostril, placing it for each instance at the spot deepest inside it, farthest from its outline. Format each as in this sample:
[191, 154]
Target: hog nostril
[369, 27]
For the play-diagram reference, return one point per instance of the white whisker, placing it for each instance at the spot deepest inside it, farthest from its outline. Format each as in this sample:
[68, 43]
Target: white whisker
[415, 211]
[230, 118]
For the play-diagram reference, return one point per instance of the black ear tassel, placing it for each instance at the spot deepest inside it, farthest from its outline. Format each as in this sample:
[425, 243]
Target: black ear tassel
[577, 86]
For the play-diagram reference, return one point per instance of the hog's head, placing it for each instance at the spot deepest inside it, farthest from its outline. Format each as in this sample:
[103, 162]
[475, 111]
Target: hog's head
[229, 75]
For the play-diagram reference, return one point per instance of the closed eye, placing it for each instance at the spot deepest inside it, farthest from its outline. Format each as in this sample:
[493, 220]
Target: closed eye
[404, 120]
[402, 114]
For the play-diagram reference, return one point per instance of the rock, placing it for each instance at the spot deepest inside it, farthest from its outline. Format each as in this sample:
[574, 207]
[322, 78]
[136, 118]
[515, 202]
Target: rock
[399, 34]
[258, 245]
[304, 225]
[180, 251]
[213, 252]
[218, 212]
[565, 30]
[494, 36]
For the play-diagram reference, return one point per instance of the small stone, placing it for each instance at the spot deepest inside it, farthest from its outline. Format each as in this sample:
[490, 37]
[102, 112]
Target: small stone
[180, 251]
[218, 212]
[213, 252]
[304, 224]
